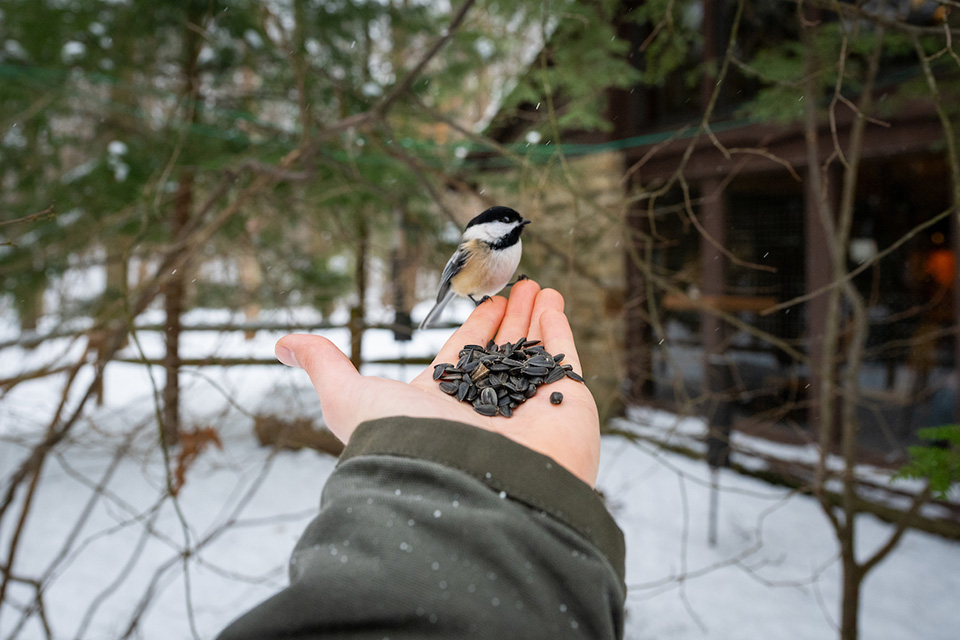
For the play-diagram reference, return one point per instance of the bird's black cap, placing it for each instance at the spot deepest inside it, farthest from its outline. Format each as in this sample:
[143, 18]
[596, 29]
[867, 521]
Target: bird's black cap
[496, 214]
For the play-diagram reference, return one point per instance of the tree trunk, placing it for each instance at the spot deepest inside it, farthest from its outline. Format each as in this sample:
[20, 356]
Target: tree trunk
[402, 276]
[251, 278]
[850, 608]
[174, 291]
[638, 350]
[819, 193]
[844, 330]
[174, 294]
[29, 301]
[358, 312]
[117, 275]
[717, 377]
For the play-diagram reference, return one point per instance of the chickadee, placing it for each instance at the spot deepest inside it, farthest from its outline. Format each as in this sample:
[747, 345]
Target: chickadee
[488, 254]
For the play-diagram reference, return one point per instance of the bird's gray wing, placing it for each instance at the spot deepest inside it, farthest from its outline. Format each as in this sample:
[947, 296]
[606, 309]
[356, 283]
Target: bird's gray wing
[454, 264]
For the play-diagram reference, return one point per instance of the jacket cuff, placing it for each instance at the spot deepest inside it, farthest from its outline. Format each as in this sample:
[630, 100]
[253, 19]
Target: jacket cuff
[503, 465]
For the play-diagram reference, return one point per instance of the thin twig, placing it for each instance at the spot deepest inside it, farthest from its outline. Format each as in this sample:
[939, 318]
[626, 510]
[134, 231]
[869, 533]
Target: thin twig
[33, 217]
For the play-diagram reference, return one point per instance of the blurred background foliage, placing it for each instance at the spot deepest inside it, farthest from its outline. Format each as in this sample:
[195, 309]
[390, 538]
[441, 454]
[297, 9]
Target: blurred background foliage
[127, 127]
[110, 109]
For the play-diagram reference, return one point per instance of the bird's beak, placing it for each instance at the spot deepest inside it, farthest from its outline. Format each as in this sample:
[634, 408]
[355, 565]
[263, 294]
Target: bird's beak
[523, 223]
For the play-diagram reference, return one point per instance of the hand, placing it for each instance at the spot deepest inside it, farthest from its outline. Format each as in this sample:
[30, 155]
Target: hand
[569, 432]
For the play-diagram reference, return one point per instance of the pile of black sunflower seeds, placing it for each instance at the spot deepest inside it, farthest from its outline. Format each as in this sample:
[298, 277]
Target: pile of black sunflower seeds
[499, 378]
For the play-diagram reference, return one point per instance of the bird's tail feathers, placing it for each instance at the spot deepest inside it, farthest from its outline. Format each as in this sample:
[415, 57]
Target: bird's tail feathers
[437, 310]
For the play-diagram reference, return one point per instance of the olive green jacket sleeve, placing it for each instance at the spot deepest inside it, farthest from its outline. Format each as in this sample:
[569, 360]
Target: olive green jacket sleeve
[435, 529]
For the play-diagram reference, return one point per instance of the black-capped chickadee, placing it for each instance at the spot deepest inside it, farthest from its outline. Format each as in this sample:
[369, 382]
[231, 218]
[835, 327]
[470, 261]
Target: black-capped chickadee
[484, 262]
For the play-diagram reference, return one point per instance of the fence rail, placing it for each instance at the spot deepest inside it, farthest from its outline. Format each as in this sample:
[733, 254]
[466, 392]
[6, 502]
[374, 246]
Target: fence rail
[31, 340]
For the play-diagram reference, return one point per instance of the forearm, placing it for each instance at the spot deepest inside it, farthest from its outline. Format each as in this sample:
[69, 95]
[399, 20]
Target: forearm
[436, 528]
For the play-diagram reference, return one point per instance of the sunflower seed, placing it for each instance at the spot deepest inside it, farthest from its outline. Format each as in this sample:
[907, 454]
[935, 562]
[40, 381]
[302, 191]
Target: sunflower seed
[488, 396]
[449, 388]
[480, 372]
[540, 360]
[497, 379]
[555, 374]
[485, 409]
[556, 397]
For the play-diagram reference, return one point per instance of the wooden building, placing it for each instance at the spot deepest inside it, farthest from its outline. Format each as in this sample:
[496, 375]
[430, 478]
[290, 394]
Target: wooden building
[729, 210]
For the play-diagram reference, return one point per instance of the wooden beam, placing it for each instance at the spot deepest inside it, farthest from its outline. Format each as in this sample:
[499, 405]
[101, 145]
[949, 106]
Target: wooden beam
[780, 147]
[727, 303]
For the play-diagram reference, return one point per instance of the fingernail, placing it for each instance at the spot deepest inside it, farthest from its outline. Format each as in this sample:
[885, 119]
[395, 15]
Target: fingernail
[286, 356]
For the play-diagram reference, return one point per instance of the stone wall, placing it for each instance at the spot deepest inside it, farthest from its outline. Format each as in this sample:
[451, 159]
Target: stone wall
[575, 245]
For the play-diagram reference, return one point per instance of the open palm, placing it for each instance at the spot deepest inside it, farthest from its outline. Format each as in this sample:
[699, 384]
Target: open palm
[569, 432]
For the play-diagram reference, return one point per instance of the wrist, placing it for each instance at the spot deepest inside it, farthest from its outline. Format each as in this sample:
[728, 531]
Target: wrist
[503, 465]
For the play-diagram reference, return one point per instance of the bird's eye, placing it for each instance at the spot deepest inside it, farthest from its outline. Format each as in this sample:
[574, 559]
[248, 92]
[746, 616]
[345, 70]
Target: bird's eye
[505, 219]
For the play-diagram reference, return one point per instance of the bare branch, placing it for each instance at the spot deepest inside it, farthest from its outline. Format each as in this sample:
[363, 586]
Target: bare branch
[898, 532]
[902, 240]
[33, 217]
[404, 85]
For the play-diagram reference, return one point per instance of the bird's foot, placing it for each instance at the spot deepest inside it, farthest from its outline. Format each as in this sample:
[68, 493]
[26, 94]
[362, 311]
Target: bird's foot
[479, 302]
[520, 277]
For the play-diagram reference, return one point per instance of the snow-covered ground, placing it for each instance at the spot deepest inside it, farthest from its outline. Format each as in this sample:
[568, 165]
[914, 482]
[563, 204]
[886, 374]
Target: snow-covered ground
[109, 547]
[773, 572]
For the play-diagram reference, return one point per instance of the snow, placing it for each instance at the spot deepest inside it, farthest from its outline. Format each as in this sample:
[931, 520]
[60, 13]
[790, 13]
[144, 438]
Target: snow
[118, 559]
[774, 572]
[72, 50]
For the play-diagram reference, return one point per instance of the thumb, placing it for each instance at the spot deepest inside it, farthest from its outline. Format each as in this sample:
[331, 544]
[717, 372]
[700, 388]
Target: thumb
[331, 372]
